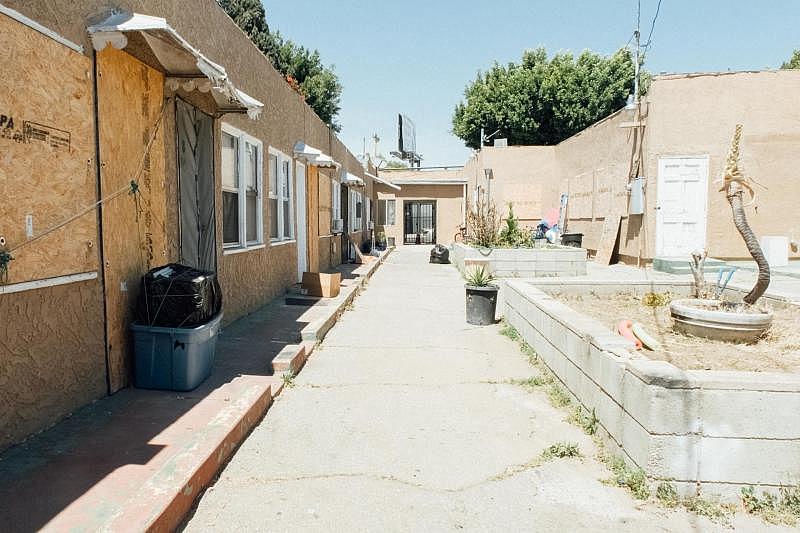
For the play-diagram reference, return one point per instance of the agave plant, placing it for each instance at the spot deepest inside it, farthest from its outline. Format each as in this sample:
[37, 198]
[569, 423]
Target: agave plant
[479, 277]
[735, 183]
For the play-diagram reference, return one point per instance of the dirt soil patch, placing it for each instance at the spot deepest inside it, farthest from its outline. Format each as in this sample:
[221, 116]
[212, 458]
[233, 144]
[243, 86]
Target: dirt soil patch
[777, 351]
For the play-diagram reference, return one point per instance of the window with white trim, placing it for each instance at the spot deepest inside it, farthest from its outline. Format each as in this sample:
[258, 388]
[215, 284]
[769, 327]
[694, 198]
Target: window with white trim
[356, 209]
[242, 179]
[386, 212]
[336, 203]
[281, 196]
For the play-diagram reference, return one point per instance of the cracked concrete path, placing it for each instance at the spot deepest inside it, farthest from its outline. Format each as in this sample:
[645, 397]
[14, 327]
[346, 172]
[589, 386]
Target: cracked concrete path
[405, 420]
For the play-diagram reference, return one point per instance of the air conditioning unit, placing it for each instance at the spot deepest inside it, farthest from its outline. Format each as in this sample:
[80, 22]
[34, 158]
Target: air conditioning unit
[370, 225]
[337, 225]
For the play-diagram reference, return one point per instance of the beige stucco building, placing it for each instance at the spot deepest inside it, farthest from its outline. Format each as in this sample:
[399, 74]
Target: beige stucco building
[420, 206]
[677, 142]
[232, 172]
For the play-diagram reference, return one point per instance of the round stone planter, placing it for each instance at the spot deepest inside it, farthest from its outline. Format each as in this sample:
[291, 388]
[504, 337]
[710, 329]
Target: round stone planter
[717, 320]
[481, 304]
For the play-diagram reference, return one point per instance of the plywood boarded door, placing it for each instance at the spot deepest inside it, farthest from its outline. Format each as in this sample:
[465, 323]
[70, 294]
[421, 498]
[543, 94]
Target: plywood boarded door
[682, 206]
[130, 98]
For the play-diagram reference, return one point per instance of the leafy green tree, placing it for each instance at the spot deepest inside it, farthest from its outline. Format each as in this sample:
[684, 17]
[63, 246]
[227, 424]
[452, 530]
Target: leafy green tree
[794, 61]
[302, 68]
[541, 101]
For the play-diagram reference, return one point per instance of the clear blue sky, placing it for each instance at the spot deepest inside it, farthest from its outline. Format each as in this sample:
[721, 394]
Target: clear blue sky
[416, 56]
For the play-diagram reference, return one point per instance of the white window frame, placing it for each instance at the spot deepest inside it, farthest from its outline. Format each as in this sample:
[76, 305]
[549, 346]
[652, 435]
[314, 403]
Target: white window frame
[385, 216]
[336, 203]
[283, 235]
[243, 138]
[356, 221]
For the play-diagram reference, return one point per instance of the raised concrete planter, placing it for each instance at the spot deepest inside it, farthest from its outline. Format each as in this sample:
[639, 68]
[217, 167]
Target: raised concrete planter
[706, 431]
[522, 262]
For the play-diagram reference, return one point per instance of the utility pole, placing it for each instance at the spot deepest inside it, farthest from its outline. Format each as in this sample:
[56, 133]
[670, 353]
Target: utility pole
[637, 34]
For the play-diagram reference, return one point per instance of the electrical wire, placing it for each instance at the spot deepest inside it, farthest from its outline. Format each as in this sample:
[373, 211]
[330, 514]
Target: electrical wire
[652, 27]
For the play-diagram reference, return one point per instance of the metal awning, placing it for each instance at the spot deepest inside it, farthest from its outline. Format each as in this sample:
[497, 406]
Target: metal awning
[313, 156]
[184, 65]
[382, 181]
[352, 180]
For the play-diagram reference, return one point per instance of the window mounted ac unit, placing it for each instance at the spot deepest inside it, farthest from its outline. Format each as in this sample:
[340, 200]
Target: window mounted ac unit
[370, 225]
[337, 225]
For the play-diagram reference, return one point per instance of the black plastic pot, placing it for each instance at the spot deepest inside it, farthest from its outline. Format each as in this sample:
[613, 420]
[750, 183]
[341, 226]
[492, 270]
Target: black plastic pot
[481, 304]
[572, 239]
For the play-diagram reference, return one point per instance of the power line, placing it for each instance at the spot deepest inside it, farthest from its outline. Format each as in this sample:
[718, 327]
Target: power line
[652, 27]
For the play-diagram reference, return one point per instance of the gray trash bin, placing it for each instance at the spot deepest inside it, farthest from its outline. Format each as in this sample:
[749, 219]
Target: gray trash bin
[177, 359]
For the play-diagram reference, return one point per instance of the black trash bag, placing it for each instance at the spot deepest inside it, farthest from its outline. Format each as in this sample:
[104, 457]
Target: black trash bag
[176, 295]
[440, 254]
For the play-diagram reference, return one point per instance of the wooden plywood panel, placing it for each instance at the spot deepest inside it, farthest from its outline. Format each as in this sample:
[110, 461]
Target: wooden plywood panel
[130, 96]
[47, 166]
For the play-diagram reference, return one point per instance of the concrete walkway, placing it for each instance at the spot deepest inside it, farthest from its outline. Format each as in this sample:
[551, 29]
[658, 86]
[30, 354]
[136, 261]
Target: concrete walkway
[403, 420]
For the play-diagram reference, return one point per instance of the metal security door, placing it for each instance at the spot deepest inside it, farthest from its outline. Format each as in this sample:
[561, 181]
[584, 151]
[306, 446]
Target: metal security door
[419, 222]
[682, 206]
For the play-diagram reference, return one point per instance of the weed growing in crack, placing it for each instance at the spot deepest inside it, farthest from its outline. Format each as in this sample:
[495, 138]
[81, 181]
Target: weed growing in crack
[509, 331]
[561, 450]
[710, 508]
[783, 508]
[532, 382]
[288, 379]
[633, 479]
[557, 395]
[667, 495]
[584, 419]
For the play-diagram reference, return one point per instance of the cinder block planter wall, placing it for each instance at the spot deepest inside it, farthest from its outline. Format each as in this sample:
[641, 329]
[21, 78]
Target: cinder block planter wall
[523, 262]
[710, 432]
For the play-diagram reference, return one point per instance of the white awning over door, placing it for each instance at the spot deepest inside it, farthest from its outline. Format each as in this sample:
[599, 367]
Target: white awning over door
[313, 156]
[184, 65]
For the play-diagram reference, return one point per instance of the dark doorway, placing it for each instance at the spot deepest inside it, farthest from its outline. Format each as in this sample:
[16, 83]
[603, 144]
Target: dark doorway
[196, 182]
[344, 205]
[419, 222]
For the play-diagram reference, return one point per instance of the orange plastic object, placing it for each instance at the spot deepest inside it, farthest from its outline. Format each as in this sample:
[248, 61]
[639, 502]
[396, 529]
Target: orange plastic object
[624, 329]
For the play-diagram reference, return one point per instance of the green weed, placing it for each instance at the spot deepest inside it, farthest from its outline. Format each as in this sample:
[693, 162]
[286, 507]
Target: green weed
[633, 479]
[667, 495]
[710, 508]
[561, 450]
[288, 379]
[783, 508]
[585, 420]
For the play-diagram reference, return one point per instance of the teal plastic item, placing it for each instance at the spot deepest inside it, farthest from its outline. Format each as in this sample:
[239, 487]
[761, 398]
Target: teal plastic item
[178, 359]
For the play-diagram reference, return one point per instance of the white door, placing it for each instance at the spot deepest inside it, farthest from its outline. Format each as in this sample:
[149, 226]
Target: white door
[302, 225]
[681, 209]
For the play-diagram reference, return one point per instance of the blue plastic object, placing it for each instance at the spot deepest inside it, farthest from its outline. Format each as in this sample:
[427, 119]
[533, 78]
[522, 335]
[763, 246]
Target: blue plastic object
[178, 359]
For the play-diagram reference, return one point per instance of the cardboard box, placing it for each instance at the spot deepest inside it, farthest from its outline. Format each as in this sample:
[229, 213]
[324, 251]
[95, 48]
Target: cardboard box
[320, 284]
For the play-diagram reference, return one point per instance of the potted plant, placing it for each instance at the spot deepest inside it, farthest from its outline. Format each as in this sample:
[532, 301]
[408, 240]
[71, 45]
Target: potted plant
[481, 296]
[712, 317]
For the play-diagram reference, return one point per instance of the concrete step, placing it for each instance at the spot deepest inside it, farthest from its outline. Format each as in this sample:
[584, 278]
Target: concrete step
[680, 265]
[304, 300]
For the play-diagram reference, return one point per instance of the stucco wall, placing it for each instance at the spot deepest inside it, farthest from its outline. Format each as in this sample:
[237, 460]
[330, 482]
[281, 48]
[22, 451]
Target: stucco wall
[51, 356]
[285, 119]
[594, 166]
[449, 208]
[686, 115]
[696, 115]
[523, 175]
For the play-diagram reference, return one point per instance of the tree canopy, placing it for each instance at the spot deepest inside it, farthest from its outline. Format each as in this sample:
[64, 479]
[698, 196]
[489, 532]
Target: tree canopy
[302, 68]
[541, 101]
[794, 61]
